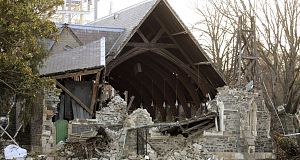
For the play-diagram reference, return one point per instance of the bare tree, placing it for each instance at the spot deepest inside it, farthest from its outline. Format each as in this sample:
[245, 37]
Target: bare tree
[216, 35]
[277, 38]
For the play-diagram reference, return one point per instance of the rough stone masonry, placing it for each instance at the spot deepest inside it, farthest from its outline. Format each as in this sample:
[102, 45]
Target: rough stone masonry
[243, 126]
[241, 131]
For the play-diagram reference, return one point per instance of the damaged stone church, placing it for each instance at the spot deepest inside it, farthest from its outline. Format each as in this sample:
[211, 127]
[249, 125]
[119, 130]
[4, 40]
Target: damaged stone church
[139, 77]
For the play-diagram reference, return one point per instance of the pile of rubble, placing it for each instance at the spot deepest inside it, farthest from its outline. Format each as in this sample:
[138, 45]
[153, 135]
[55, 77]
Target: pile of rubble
[113, 114]
[113, 143]
[190, 152]
[92, 147]
[113, 153]
[139, 117]
[105, 145]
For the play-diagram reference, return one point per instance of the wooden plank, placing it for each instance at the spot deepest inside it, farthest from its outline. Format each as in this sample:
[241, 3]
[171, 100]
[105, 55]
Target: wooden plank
[173, 39]
[75, 74]
[142, 36]
[179, 33]
[197, 126]
[95, 90]
[130, 102]
[74, 97]
[62, 107]
[151, 45]
[202, 63]
[158, 35]
[75, 110]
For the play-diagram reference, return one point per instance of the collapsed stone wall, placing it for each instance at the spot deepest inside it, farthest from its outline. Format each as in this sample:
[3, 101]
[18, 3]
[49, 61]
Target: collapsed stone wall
[114, 114]
[241, 132]
[243, 126]
[159, 146]
[47, 138]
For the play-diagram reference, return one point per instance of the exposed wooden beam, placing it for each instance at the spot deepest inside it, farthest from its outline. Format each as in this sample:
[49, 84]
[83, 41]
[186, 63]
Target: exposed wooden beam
[123, 58]
[151, 45]
[160, 72]
[76, 99]
[182, 77]
[189, 60]
[204, 86]
[142, 36]
[158, 35]
[136, 83]
[197, 126]
[145, 81]
[130, 103]
[95, 90]
[179, 33]
[157, 83]
[75, 74]
[202, 63]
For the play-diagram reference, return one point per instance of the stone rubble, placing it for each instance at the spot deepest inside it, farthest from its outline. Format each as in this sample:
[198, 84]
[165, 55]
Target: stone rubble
[233, 104]
[113, 114]
[139, 117]
[51, 99]
[190, 152]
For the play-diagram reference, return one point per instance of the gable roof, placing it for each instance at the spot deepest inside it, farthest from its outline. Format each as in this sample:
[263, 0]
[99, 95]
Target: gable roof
[130, 19]
[80, 57]
[83, 57]
[133, 17]
[122, 22]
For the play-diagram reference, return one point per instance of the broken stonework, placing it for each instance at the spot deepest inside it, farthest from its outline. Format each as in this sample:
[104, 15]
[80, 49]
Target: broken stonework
[139, 117]
[190, 152]
[132, 146]
[113, 114]
[51, 99]
[243, 126]
[110, 118]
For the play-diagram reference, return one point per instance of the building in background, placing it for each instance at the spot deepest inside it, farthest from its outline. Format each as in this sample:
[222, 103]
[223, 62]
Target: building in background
[82, 11]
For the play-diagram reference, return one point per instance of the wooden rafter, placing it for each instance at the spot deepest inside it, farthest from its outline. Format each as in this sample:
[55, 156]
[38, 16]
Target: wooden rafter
[166, 54]
[157, 82]
[75, 74]
[95, 90]
[142, 36]
[179, 33]
[203, 85]
[151, 45]
[182, 78]
[123, 58]
[173, 39]
[202, 63]
[158, 35]
[76, 99]
[161, 73]
[189, 60]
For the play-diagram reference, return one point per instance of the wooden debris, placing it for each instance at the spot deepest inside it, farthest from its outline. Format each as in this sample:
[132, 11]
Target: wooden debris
[86, 145]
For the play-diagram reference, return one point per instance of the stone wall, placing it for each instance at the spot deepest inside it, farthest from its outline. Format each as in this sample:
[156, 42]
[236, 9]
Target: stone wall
[243, 126]
[133, 144]
[241, 132]
[114, 114]
[111, 116]
[47, 136]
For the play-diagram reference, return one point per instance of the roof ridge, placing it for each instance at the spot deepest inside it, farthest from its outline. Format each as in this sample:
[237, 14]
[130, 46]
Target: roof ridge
[93, 27]
[122, 10]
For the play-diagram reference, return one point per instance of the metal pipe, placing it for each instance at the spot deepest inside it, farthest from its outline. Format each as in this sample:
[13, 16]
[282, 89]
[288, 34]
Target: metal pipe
[293, 134]
[8, 135]
[95, 9]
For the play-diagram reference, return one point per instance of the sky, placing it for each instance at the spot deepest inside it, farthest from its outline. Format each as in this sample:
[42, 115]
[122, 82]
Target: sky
[184, 8]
